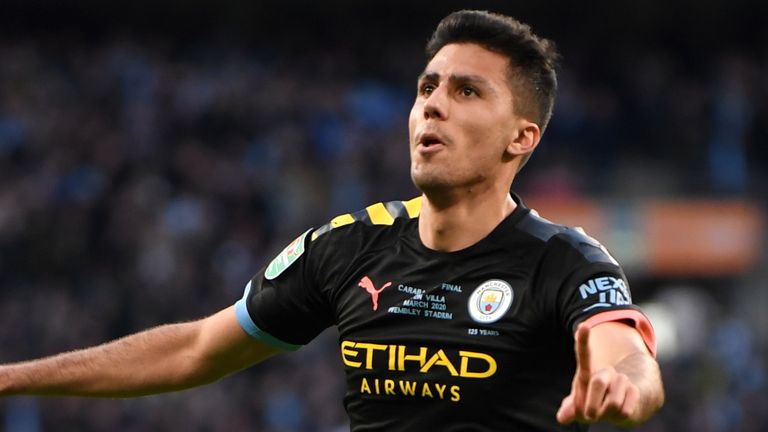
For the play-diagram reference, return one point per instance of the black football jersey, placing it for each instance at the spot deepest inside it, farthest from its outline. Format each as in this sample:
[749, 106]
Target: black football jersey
[475, 340]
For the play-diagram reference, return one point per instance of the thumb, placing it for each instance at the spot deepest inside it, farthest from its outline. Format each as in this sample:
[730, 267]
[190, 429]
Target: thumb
[567, 412]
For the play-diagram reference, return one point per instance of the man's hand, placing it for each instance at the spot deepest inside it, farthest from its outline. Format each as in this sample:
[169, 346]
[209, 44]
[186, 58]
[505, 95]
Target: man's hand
[624, 393]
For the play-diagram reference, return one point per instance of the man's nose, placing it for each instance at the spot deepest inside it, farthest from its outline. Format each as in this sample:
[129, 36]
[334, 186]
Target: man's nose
[436, 105]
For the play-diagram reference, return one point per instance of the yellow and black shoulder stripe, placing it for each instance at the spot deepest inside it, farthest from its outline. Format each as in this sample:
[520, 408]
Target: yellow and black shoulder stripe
[376, 214]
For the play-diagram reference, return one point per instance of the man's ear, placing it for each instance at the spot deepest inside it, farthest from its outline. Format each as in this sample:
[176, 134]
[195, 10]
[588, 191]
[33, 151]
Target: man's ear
[525, 140]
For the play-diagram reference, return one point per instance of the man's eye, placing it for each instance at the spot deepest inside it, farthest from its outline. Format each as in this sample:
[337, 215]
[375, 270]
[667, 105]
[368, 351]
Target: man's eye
[468, 91]
[427, 89]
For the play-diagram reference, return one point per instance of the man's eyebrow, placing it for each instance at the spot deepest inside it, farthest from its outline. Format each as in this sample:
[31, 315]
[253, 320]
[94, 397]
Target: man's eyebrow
[429, 76]
[456, 79]
[469, 79]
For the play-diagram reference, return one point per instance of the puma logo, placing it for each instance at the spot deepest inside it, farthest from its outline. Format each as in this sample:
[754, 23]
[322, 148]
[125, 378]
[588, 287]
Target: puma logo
[367, 284]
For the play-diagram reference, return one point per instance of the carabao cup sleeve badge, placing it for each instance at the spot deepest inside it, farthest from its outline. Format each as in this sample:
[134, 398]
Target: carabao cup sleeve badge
[490, 301]
[288, 256]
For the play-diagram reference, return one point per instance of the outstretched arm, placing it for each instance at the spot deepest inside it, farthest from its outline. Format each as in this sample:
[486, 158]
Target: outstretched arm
[616, 381]
[162, 359]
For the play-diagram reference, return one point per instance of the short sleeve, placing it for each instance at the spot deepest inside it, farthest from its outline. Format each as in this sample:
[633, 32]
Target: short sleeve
[283, 305]
[604, 297]
[591, 287]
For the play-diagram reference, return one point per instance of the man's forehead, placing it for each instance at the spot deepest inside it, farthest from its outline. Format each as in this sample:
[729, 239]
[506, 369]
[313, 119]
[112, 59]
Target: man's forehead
[467, 60]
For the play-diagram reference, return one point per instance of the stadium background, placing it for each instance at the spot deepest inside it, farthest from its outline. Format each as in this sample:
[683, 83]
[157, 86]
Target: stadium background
[153, 155]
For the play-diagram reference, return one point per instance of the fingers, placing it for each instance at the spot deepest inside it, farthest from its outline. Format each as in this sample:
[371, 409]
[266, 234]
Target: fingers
[567, 412]
[571, 409]
[583, 363]
[627, 411]
[605, 389]
[602, 395]
[631, 403]
[618, 402]
[609, 396]
[598, 395]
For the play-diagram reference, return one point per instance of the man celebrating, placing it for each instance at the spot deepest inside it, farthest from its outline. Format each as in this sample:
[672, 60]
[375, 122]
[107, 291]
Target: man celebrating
[458, 310]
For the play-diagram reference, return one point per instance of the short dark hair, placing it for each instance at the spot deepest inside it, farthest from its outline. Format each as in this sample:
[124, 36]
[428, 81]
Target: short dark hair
[532, 59]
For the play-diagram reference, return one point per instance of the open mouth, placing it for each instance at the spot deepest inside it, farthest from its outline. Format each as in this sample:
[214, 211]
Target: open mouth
[430, 139]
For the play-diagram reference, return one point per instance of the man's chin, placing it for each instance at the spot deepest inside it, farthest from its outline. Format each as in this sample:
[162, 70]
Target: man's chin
[430, 183]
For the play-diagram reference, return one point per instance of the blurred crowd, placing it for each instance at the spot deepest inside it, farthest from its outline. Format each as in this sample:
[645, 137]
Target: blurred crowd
[143, 183]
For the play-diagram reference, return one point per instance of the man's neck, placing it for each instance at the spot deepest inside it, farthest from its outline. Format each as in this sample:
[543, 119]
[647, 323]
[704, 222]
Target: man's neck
[452, 224]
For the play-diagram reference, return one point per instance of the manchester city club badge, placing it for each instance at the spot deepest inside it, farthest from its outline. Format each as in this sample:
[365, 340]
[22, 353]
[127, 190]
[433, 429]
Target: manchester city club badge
[490, 301]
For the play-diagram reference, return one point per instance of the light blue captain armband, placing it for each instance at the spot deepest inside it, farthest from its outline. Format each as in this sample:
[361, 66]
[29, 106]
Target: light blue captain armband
[246, 322]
